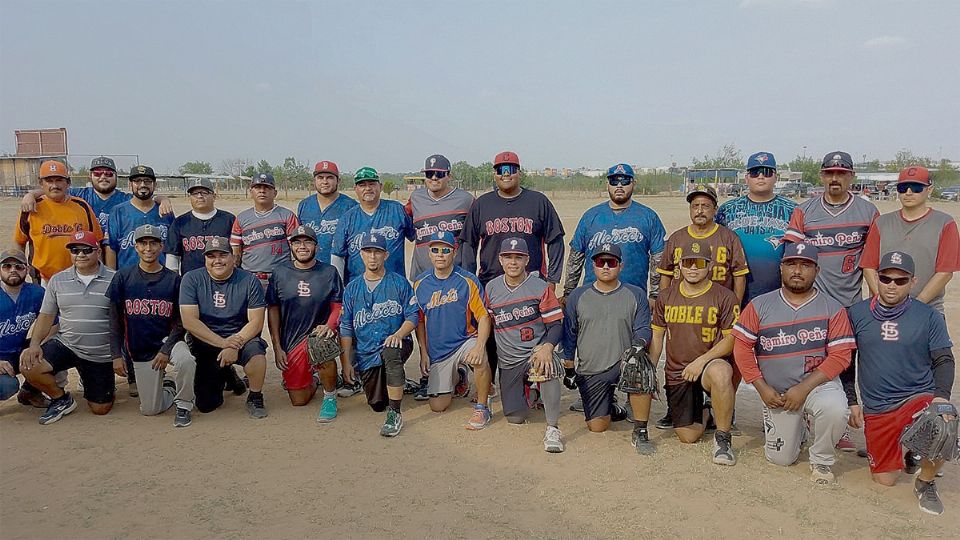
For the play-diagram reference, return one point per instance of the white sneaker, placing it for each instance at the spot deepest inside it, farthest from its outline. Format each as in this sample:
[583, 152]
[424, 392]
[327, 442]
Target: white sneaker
[821, 474]
[552, 440]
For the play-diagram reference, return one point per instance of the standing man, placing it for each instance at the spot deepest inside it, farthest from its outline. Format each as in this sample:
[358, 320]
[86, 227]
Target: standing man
[928, 235]
[19, 306]
[379, 315]
[259, 234]
[126, 217]
[322, 211]
[189, 233]
[145, 324]
[386, 219]
[302, 299]
[792, 344]
[77, 296]
[528, 326]
[453, 330]
[222, 307]
[760, 219]
[905, 364]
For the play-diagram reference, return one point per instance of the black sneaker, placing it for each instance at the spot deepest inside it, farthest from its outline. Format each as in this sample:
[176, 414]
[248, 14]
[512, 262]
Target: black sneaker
[723, 449]
[183, 418]
[928, 497]
[421, 393]
[911, 463]
[58, 408]
[255, 406]
[233, 382]
[29, 398]
[617, 413]
[641, 441]
[664, 423]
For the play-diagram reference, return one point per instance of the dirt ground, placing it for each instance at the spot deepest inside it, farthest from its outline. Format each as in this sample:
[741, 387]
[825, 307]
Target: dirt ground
[127, 476]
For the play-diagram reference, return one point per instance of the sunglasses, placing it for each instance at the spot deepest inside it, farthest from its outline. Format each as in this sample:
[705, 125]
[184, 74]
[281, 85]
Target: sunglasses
[900, 281]
[86, 250]
[142, 180]
[600, 262]
[506, 169]
[441, 250]
[19, 267]
[105, 174]
[699, 264]
[619, 180]
[435, 175]
[765, 172]
[913, 187]
[200, 193]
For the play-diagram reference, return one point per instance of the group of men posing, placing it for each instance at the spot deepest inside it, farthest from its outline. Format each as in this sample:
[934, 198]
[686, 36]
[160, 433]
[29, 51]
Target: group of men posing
[758, 288]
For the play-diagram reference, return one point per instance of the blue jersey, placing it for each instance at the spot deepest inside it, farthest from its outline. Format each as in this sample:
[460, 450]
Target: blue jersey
[370, 316]
[148, 306]
[760, 226]
[894, 358]
[451, 309]
[323, 222]
[223, 304]
[101, 208]
[390, 221]
[16, 318]
[124, 219]
[636, 229]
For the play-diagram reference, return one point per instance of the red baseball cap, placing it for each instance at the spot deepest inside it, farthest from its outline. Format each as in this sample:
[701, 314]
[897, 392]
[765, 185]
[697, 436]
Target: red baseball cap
[506, 157]
[327, 167]
[83, 238]
[914, 175]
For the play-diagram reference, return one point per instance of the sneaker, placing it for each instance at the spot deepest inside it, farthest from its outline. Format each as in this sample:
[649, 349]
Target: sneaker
[926, 493]
[641, 441]
[58, 408]
[233, 382]
[348, 390]
[29, 398]
[480, 418]
[255, 406]
[463, 383]
[735, 430]
[421, 393]
[723, 449]
[821, 474]
[182, 418]
[393, 424]
[552, 442]
[664, 423]
[617, 413]
[846, 444]
[577, 406]
[328, 410]
[410, 386]
[132, 388]
[911, 463]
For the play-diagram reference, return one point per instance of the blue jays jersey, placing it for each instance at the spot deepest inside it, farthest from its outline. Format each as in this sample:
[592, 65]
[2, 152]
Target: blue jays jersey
[124, 219]
[760, 226]
[101, 208]
[370, 316]
[636, 229]
[451, 308]
[16, 318]
[390, 220]
[323, 222]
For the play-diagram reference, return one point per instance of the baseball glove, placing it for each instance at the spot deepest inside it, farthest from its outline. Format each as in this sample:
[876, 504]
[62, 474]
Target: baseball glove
[931, 436]
[537, 377]
[637, 374]
[322, 349]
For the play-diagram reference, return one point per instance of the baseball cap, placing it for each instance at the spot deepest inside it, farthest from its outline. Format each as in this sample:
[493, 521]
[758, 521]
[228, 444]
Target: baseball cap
[705, 190]
[442, 237]
[436, 162]
[898, 260]
[217, 243]
[141, 170]
[147, 231]
[205, 183]
[373, 241]
[761, 159]
[326, 167]
[83, 238]
[696, 250]
[103, 161]
[801, 250]
[620, 169]
[607, 249]
[506, 157]
[365, 174]
[914, 175]
[263, 179]
[837, 161]
[514, 245]
[52, 168]
[14, 254]
[305, 231]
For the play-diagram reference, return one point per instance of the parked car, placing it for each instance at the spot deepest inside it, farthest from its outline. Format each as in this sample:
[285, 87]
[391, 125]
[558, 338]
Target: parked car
[793, 189]
[951, 193]
[815, 191]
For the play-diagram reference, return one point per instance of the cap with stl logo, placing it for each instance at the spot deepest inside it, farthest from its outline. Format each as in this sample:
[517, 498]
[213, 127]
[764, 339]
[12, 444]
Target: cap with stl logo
[897, 260]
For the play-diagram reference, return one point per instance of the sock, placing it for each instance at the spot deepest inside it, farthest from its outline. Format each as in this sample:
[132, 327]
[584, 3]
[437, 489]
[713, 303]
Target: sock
[253, 395]
[640, 424]
[331, 394]
[395, 404]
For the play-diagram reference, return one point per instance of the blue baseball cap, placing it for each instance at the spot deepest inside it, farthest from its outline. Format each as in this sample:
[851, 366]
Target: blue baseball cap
[801, 250]
[263, 179]
[442, 237]
[373, 241]
[761, 159]
[897, 260]
[514, 246]
[620, 169]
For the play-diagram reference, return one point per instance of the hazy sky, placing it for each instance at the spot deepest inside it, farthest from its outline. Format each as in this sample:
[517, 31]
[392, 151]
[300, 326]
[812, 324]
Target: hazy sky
[562, 83]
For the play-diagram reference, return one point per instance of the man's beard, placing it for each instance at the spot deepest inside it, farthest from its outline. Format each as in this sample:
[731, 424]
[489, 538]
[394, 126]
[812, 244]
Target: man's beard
[143, 197]
[798, 289]
[13, 280]
[105, 191]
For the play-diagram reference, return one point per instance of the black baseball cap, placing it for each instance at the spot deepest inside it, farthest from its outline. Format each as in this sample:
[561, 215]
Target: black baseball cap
[103, 162]
[304, 231]
[607, 249]
[837, 161]
[204, 183]
[147, 231]
[696, 250]
[897, 260]
[436, 162]
[217, 243]
[705, 190]
[141, 170]
[263, 179]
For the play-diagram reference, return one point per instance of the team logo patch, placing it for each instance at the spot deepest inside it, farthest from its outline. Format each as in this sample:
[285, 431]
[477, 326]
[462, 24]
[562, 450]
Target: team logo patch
[78, 236]
[513, 244]
[620, 170]
[762, 158]
[219, 299]
[606, 247]
[896, 258]
[800, 248]
[836, 157]
[433, 161]
[695, 247]
[889, 332]
[303, 289]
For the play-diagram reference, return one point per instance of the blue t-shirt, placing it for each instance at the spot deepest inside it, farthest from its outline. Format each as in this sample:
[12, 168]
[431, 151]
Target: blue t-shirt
[451, 309]
[390, 220]
[223, 304]
[16, 319]
[147, 302]
[324, 223]
[760, 226]
[636, 229]
[370, 316]
[124, 219]
[101, 208]
[894, 359]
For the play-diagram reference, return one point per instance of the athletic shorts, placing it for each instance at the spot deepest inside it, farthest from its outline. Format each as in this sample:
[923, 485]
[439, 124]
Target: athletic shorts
[208, 381]
[596, 392]
[299, 372]
[97, 377]
[374, 380]
[443, 376]
[685, 400]
[882, 432]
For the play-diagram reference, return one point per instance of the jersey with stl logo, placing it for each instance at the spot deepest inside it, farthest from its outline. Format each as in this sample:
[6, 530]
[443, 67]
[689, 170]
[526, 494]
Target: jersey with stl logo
[148, 306]
[725, 250]
[840, 233]
[305, 298]
[189, 234]
[124, 219]
[323, 222]
[895, 360]
[451, 308]
[223, 304]
[389, 220]
[101, 207]
[370, 316]
[435, 215]
[262, 238]
[520, 316]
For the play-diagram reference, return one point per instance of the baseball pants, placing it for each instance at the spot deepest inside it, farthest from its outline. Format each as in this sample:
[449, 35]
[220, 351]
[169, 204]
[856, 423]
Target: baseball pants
[783, 430]
[154, 398]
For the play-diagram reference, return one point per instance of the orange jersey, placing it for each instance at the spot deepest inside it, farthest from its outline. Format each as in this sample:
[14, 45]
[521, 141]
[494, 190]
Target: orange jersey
[49, 229]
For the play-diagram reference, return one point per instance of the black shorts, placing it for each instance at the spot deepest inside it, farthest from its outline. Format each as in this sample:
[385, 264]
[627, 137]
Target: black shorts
[686, 403]
[208, 381]
[596, 392]
[99, 385]
[375, 387]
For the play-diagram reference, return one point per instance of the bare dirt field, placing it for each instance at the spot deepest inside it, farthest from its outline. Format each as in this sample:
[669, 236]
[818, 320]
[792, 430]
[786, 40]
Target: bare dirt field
[127, 476]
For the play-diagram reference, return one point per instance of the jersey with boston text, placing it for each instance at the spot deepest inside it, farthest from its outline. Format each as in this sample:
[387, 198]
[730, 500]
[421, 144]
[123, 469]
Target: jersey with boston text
[124, 219]
[520, 316]
[188, 237]
[223, 304]
[149, 306]
[262, 238]
[101, 207]
[323, 222]
[726, 253]
[430, 216]
[451, 308]
[370, 316]
[389, 220]
[305, 298]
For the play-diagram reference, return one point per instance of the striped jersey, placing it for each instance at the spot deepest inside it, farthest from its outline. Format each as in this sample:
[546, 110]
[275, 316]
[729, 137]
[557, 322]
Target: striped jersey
[791, 341]
[451, 308]
[84, 311]
[262, 238]
[840, 233]
[389, 220]
[725, 250]
[433, 215]
[123, 220]
[323, 221]
[370, 316]
[520, 316]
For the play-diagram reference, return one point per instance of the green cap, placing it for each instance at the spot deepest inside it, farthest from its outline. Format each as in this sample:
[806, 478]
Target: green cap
[365, 173]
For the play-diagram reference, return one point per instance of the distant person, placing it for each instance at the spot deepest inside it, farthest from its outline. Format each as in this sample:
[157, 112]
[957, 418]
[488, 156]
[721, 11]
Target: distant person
[259, 234]
[322, 211]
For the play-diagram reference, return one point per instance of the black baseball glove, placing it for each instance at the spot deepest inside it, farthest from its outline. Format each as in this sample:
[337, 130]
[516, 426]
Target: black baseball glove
[637, 374]
[931, 436]
[322, 349]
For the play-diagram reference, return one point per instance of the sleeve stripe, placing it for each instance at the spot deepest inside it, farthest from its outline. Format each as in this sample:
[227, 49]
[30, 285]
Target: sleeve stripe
[743, 331]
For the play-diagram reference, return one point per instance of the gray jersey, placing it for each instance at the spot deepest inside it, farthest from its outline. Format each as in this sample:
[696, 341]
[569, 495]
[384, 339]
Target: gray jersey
[433, 215]
[84, 312]
[600, 326]
[520, 316]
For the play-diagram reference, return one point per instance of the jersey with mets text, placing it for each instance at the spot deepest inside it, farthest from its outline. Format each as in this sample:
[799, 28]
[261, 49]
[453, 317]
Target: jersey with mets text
[520, 315]
[451, 308]
[323, 221]
[305, 298]
[16, 318]
[840, 233]
[389, 220]
[370, 316]
[431, 216]
[149, 306]
[124, 219]
[262, 238]
[188, 237]
[725, 248]
[223, 304]
[101, 207]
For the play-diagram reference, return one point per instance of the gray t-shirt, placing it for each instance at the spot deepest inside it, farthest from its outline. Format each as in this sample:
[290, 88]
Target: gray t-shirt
[84, 311]
[600, 326]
